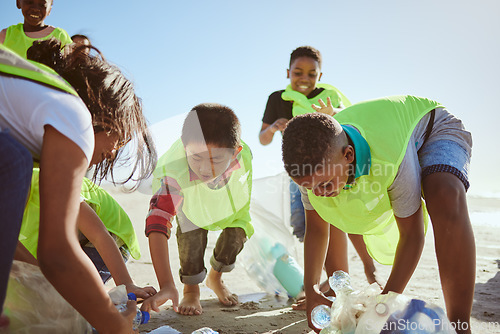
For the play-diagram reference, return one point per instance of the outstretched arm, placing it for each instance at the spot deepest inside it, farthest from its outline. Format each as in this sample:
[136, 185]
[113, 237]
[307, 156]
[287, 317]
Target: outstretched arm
[158, 246]
[408, 252]
[267, 131]
[62, 168]
[316, 245]
[92, 227]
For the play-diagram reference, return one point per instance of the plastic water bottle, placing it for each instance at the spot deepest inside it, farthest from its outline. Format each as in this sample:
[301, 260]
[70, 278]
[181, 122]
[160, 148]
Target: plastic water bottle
[141, 317]
[205, 330]
[321, 316]
[287, 270]
[340, 282]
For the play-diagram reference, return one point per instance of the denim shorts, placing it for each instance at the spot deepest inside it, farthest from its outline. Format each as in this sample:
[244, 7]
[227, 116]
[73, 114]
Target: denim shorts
[445, 156]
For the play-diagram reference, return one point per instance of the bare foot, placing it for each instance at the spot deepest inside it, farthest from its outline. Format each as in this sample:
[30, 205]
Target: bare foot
[190, 303]
[215, 283]
[300, 305]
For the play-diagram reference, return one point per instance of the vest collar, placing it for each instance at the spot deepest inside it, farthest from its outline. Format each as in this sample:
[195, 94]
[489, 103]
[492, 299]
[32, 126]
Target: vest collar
[361, 150]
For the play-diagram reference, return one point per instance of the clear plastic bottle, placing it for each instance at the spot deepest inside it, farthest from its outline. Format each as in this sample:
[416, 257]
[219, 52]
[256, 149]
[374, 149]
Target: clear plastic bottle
[141, 317]
[321, 316]
[205, 330]
[340, 282]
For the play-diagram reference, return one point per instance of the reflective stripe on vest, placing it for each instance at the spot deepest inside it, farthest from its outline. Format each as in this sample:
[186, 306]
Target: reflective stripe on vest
[302, 105]
[387, 125]
[12, 64]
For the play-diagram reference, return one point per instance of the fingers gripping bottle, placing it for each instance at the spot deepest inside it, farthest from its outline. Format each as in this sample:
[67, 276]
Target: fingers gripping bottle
[141, 317]
[321, 315]
[119, 297]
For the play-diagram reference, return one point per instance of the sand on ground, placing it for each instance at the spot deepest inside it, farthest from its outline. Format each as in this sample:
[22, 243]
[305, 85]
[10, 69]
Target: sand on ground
[259, 312]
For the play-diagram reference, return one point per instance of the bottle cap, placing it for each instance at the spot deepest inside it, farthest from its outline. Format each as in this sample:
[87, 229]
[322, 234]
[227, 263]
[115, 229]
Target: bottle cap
[278, 250]
[145, 317]
[131, 296]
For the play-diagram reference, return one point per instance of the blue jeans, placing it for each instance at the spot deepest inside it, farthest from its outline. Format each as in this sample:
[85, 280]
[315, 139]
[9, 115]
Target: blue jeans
[16, 168]
[297, 215]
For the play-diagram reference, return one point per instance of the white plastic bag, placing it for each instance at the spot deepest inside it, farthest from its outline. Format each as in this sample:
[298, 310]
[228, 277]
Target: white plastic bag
[34, 306]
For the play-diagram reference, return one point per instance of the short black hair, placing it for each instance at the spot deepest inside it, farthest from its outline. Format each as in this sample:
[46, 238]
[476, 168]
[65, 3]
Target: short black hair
[307, 140]
[212, 123]
[305, 51]
[80, 36]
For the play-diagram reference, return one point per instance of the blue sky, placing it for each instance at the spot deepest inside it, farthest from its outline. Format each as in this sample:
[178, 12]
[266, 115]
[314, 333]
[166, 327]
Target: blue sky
[181, 53]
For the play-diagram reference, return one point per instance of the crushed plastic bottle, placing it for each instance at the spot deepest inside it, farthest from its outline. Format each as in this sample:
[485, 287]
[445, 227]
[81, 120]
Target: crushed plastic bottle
[321, 316]
[205, 330]
[141, 317]
[120, 297]
[340, 282]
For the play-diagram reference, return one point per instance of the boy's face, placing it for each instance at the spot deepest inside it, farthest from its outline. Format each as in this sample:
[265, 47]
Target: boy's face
[208, 161]
[35, 11]
[304, 73]
[331, 177]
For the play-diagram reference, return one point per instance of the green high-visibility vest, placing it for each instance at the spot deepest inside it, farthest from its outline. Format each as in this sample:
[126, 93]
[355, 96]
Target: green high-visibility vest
[109, 211]
[14, 65]
[19, 42]
[302, 105]
[211, 209]
[387, 125]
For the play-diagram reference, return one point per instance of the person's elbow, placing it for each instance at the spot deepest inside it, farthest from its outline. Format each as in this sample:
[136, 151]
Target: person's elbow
[264, 141]
[52, 259]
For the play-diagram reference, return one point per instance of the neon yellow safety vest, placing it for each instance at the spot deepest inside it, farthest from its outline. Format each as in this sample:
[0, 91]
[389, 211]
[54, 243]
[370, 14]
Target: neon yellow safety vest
[109, 211]
[387, 125]
[12, 64]
[211, 209]
[17, 41]
[302, 105]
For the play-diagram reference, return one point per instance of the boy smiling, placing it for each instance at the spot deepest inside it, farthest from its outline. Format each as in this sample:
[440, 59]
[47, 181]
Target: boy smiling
[364, 172]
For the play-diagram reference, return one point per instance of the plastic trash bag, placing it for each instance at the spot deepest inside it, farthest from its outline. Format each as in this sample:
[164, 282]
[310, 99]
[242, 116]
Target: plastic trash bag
[367, 311]
[270, 212]
[34, 306]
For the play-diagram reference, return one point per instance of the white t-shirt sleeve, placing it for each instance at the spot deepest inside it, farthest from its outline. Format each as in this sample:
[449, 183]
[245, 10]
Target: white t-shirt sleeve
[26, 107]
[68, 115]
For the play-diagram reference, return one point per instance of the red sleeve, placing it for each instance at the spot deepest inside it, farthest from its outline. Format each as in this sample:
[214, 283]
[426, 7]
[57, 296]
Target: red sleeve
[163, 207]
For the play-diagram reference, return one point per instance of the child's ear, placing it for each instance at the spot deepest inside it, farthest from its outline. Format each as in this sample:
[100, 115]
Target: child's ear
[320, 74]
[349, 154]
[287, 73]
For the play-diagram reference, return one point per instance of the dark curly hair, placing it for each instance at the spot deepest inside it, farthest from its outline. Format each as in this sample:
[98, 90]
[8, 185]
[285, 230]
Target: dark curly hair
[307, 142]
[212, 123]
[111, 100]
[306, 51]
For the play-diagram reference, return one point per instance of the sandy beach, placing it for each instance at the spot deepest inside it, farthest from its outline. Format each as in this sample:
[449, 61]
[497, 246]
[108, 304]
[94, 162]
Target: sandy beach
[259, 312]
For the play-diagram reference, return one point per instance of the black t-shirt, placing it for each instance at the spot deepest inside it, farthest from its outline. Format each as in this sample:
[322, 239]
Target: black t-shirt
[278, 108]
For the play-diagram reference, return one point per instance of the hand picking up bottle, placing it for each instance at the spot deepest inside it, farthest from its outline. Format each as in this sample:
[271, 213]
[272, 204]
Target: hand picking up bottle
[120, 298]
[367, 311]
